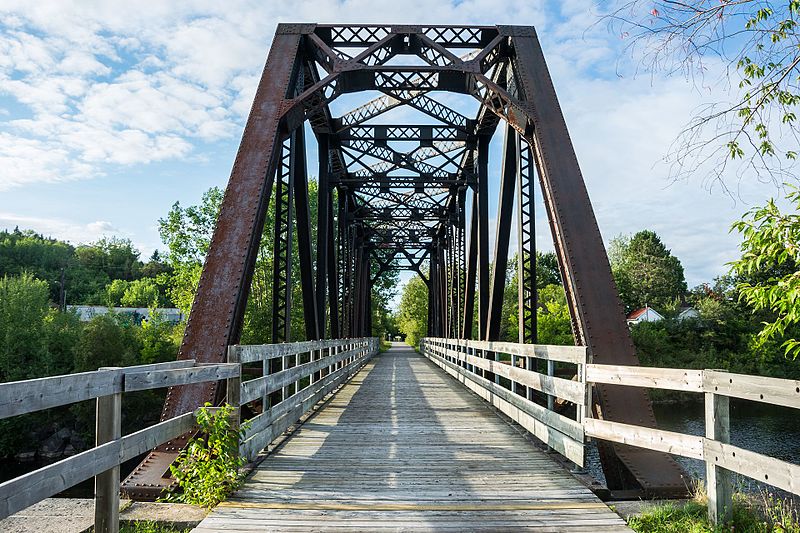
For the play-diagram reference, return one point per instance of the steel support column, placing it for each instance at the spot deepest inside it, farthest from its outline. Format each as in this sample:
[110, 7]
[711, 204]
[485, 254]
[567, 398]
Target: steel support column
[505, 210]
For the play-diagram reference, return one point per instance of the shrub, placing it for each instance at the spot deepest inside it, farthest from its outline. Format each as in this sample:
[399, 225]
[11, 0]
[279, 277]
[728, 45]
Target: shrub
[207, 470]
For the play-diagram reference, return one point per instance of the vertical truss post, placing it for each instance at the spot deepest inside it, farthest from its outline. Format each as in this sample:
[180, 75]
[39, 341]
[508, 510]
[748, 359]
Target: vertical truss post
[303, 215]
[504, 216]
[333, 275]
[462, 258]
[324, 233]
[433, 289]
[526, 247]
[282, 247]
[483, 235]
[472, 260]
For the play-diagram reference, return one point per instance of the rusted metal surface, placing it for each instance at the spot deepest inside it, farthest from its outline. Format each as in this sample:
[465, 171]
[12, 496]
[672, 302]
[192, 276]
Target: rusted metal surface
[399, 208]
[218, 309]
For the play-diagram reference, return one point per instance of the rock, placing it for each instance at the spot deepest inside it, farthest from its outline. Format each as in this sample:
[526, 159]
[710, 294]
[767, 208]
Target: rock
[25, 456]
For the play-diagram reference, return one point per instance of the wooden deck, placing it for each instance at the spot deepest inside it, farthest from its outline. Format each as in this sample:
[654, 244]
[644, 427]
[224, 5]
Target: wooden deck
[405, 447]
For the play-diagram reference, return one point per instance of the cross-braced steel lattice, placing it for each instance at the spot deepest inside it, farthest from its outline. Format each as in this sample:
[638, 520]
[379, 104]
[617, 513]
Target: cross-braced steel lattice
[396, 193]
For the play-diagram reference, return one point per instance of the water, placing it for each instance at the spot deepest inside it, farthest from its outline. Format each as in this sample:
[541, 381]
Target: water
[766, 429]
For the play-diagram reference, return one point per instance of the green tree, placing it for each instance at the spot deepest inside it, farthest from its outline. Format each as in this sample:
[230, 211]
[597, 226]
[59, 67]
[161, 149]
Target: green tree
[553, 324]
[771, 248]
[547, 269]
[645, 271]
[106, 341]
[753, 120]
[141, 293]
[44, 258]
[24, 306]
[412, 315]
[115, 291]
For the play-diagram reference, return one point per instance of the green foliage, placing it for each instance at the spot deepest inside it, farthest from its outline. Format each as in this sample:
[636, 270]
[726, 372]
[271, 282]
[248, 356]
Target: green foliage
[412, 315]
[755, 119]
[774, 515]
[159, 341]
[771, 247]
[207, 470]
[106, 341]
[547, 270]
[141, 293]
[553, 324]
[23, 342]
[147, 526]
[645, 271]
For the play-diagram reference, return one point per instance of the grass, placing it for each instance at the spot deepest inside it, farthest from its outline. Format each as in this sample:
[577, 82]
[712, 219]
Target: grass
[750, 515]
[150, 527]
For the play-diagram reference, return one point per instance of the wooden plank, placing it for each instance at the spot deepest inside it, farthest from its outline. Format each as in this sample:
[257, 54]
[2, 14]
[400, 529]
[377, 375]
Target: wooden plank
[651, 378]
[25, 490]
[156, 379]
[268, 426]
[560, 423]
[642, 437]
[32, 395]
[106, 492]
[785, 476]
[719, 482]
[564, 354]
[254, 389]
[572, 391]
[565, 445]
[775, 391]
[401, 446]
[259, 352]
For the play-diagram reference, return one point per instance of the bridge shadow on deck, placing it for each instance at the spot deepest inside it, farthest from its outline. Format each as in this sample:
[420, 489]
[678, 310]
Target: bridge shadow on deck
[404, 446]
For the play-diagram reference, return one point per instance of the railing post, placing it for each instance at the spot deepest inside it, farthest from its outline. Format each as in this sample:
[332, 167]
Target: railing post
[719, 482]
[234, 388]
[106, 484]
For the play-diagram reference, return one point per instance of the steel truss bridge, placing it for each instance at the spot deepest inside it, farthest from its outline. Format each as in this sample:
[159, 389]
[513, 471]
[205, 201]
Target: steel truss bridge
[395, 194]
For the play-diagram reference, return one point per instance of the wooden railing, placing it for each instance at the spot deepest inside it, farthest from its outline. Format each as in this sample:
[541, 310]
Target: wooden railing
[304, 374]
[307, 372]
[106, 385]
[720, 457]
[510, 385]
[470, 361]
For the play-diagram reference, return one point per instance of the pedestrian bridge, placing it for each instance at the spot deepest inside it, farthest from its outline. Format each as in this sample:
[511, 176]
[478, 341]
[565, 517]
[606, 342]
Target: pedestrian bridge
[404, 446]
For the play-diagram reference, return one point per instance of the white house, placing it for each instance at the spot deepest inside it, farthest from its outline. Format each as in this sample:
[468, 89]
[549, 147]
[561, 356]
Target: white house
[87, 312]
[645, 314]
[688, 313]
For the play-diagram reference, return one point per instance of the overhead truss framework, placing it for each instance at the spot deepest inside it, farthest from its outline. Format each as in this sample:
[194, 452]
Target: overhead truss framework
[409, 196]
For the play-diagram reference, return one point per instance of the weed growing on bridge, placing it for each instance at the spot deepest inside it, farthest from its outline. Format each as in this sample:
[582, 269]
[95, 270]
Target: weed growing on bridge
[207, 470]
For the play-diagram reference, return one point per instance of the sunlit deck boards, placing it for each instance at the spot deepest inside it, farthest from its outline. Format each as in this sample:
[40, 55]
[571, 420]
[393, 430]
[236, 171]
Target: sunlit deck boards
[403, 447]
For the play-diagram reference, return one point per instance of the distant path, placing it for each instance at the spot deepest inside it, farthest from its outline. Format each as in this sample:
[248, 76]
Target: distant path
[403, 446]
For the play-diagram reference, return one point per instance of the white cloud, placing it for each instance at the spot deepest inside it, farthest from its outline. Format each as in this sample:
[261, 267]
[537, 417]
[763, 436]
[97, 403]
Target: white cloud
[103, 84]
[67, 230]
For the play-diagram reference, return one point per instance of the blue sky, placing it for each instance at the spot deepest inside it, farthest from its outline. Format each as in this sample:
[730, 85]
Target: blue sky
[110, 112]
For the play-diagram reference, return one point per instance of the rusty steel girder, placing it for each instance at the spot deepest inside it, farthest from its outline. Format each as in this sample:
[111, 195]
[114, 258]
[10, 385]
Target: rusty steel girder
[400, 196]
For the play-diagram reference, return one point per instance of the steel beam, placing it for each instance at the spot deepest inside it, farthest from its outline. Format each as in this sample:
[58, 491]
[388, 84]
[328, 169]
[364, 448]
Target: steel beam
[505, 210]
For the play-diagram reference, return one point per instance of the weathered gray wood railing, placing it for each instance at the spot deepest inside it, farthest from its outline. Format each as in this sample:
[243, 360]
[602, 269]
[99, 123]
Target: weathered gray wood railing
[721, 458]
[106, 385]
[308, 372]
[469, 361]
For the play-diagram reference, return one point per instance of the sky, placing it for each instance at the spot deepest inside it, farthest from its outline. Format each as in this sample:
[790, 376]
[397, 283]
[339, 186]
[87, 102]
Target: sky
[110, 112]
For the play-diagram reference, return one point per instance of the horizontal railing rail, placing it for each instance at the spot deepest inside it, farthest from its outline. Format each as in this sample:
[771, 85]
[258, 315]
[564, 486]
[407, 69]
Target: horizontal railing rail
[106, 386]
[714, 448]
[510, 385]
[295, 377]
